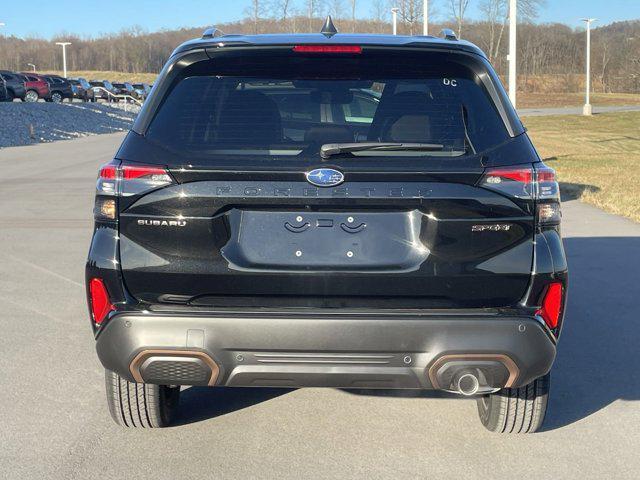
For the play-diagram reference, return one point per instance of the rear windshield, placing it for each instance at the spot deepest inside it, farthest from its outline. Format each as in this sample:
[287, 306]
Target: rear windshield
[291, 107]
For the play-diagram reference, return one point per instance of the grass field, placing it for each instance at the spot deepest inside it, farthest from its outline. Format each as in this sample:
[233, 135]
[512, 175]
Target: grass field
[597, 158]
[113, 76]
[552, 100]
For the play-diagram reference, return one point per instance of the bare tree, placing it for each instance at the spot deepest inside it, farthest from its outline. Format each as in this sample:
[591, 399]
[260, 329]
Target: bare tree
[458, 11]
[254, 11]
[282, 9]
[410, 12]
[496, 12]
[353, 15]
[314, 8]
[379, 10]
[336, 8]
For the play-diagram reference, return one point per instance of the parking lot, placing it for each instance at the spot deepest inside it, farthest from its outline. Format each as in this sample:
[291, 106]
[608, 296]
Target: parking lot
[53, 416]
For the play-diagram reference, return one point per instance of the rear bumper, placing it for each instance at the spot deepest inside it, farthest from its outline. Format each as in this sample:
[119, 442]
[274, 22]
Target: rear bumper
[346, 351]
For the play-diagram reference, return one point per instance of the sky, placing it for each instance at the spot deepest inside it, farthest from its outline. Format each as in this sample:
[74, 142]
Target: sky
[91, 18]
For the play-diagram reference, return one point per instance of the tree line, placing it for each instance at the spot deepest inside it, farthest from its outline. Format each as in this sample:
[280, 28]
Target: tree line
[551, 56]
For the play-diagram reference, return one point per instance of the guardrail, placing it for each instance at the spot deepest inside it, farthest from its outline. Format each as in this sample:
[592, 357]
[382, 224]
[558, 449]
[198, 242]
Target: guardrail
[126, 98]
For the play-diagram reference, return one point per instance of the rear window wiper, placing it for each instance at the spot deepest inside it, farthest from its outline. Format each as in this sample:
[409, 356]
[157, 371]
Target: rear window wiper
[329, 149]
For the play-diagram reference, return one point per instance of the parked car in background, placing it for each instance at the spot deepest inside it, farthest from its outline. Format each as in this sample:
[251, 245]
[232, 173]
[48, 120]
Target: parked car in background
[82, 89]
[141, 90]
[59, 87]
[124, 88]
[14, 84]
[37, 87]
[3, 90]
[99, 90]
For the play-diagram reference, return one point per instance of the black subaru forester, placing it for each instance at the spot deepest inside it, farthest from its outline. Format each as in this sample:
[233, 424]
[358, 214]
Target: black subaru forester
[327, 210]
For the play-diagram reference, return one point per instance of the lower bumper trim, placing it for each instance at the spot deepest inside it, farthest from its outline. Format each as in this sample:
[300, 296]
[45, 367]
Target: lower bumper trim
[420, 352]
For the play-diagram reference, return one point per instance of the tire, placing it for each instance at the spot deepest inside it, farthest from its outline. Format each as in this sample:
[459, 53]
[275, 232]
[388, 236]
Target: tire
[56, 97]
[140, 405]
[10, 96]
[31, 96]
[515, 410]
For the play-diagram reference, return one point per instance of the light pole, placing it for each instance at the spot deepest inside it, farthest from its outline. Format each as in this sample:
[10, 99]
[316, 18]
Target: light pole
[32, 66]
[587, 109]
[425, 21]
[394, 12]
[64, 56]
[513, 25]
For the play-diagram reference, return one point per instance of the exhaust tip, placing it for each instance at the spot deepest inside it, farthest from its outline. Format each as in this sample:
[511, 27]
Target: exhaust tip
[468, 384]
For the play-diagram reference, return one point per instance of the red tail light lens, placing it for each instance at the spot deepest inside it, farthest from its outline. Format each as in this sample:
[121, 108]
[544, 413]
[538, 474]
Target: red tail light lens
[100, 303]
[157, 174]
[551, 305]
[328, 49]
[513, 181]
[108, 171]
[537, 183]
[122, 180]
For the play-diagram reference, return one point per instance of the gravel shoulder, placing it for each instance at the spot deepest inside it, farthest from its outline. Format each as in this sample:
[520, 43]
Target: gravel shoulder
[31, 123]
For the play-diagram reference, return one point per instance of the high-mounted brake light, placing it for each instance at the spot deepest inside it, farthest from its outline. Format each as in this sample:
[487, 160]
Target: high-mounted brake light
[100, 303]
[357, 49]
[551, 305]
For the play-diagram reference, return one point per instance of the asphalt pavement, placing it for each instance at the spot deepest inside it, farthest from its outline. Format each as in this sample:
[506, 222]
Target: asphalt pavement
[53, 415]
[528, 112]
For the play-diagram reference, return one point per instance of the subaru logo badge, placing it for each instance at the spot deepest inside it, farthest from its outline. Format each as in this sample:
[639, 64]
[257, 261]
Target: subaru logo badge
[325, 177]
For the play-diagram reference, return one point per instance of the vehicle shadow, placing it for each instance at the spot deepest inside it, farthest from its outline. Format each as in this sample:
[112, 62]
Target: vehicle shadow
[573, 191]
[598, 355]
[202, 403]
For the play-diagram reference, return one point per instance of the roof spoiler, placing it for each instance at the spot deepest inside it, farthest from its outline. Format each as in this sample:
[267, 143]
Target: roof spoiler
[212, 32]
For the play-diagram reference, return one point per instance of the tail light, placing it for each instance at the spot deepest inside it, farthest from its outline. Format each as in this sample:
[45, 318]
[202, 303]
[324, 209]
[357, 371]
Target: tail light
[532, 182]
[551, 305]
[100, 303]
[122, 180]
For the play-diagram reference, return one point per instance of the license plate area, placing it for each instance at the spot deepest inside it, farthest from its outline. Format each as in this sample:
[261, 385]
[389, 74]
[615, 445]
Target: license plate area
[333, 241]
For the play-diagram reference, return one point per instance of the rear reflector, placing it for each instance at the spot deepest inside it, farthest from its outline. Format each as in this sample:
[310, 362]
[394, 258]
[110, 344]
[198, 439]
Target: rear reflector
[551, 305]
[100, 303]
[328, 49]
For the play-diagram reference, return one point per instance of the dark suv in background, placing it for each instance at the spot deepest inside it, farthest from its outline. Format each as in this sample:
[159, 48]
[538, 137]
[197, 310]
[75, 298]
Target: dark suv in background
[141, 90]
[14, 84]
[59, 89]
[298, 211]
[103, 89]
[82, 89]
[4, 96]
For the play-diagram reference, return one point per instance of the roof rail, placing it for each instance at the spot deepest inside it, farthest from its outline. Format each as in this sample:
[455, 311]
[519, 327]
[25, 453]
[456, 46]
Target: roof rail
[448, 34]
[212, 32]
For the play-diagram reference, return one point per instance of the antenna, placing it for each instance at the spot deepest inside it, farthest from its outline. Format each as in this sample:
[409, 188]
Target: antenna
[448, 34]
[329, 29]
[212, 32]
